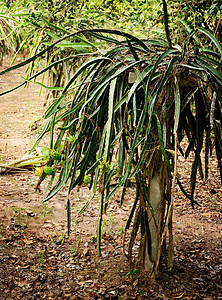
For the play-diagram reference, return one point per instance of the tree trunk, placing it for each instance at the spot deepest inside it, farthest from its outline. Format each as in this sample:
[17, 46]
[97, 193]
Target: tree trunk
[158, 209]
[155, 196]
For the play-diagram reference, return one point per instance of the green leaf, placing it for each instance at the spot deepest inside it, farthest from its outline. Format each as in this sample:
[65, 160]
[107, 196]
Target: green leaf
[136, 57]
[69, 125]
[161, 144]
[45, 129]
[177, 106]
[110, 118]
[186, 194]
[63, 178]
[41, 84]
[209, 68]
[37, 74]
[132, 210]
[212, 38]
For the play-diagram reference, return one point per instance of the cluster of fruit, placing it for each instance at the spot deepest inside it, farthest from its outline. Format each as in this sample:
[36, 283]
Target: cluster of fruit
[51, 156]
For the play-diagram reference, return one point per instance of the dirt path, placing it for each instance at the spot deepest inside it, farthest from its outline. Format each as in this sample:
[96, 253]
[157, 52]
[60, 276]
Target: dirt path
[18, 111]
[37, 261]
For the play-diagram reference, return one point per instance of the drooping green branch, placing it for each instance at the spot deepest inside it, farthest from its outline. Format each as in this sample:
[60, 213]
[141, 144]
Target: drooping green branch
[166, 24]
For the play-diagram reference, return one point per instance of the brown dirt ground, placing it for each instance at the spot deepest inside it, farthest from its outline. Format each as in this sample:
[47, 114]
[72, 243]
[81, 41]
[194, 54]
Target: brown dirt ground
[38, 261]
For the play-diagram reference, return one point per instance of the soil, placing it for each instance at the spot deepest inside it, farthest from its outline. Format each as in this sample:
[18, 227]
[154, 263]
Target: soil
[39, 261]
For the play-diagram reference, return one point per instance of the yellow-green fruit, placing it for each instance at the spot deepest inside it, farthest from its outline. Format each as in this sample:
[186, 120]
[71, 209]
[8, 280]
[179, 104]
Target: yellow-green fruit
[39, 171]
[48, 170]
[55, 155]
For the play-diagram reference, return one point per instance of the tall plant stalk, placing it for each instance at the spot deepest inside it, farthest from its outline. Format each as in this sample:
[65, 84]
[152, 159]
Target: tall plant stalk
[166, 24]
